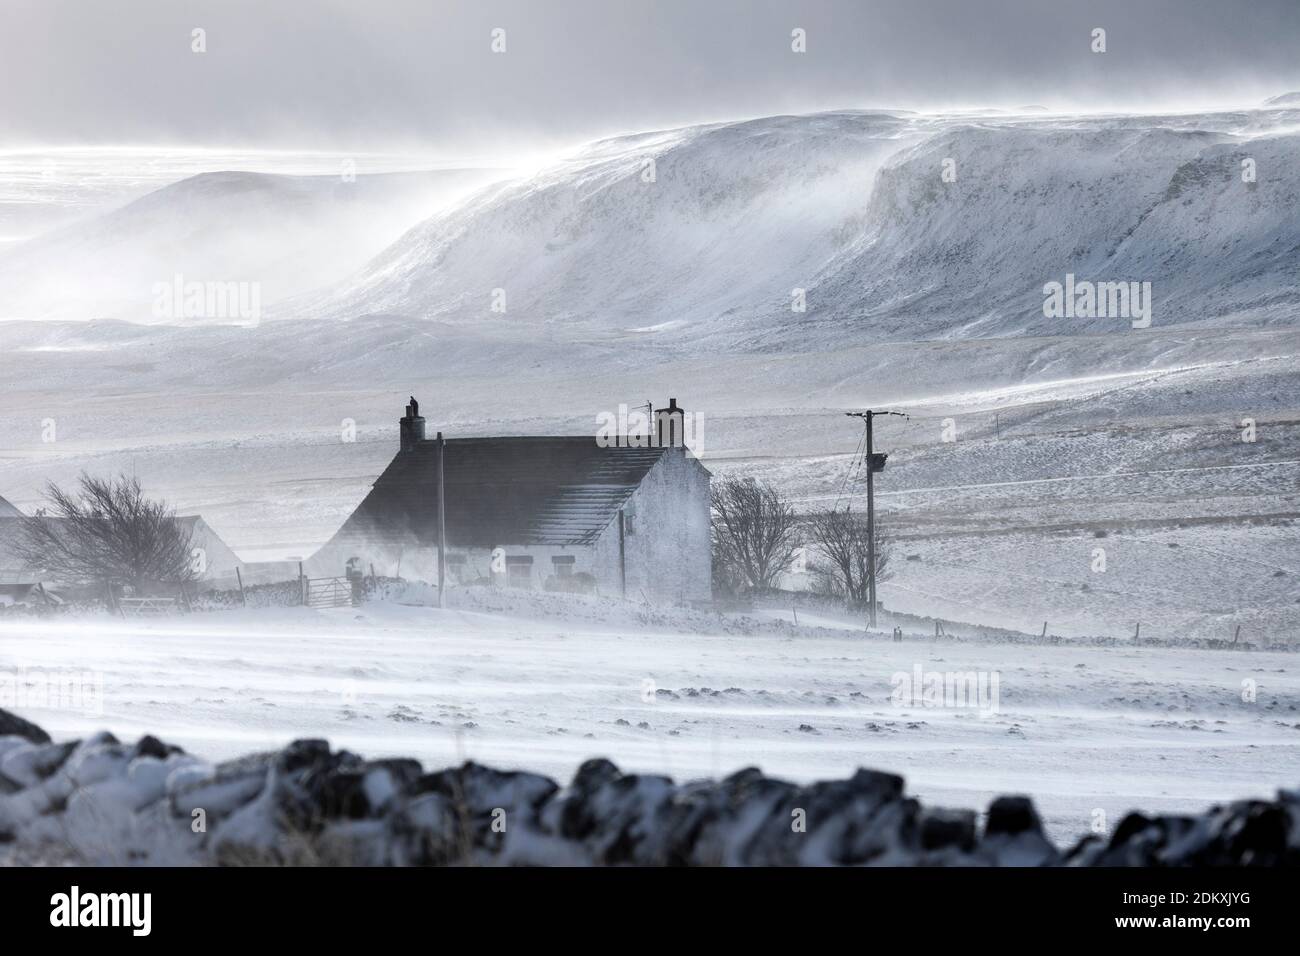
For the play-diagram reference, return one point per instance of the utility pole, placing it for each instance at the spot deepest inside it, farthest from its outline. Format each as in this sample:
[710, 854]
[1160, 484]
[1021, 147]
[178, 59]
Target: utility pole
[622, 554]
[442, 520]
[875, 462]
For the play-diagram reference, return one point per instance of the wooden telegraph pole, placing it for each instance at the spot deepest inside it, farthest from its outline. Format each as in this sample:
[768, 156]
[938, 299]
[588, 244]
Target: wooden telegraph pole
[442, 520]
[875, 462]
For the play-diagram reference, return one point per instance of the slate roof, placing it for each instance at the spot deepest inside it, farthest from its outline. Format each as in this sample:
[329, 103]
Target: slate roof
[516, 490]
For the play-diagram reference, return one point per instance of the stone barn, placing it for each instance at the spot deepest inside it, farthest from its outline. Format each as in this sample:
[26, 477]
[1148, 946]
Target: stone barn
[623, 517]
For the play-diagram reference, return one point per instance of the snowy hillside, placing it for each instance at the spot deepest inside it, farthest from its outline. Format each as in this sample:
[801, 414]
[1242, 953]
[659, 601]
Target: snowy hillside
[735, 215]
[707, 230]
[287, 233]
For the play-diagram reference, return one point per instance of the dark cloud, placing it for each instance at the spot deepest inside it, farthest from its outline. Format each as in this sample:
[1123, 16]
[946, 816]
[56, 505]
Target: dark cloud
[401, 72]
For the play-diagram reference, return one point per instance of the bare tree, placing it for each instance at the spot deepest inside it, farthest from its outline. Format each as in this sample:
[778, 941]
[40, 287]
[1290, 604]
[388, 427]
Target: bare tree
[842, 551]
[107, 532]
[753, 531]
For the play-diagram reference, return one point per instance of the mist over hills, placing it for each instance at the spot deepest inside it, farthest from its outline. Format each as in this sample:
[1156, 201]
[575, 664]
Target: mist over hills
[704, 232]
[288, 233]
[895, 226]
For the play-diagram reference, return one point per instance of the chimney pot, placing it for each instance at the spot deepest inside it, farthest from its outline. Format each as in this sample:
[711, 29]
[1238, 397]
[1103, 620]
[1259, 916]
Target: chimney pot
[411, 426]
[670, 426]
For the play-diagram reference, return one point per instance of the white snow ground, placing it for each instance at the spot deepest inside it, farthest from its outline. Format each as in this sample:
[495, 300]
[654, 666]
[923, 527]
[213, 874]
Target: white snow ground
[1081, 728]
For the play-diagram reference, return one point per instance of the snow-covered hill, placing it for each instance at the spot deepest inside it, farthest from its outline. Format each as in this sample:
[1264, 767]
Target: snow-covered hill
[287, 233]
[705, 231]
[897, 226]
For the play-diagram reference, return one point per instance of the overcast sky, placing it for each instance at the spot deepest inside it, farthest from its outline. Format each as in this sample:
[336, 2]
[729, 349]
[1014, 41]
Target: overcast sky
[375, 74]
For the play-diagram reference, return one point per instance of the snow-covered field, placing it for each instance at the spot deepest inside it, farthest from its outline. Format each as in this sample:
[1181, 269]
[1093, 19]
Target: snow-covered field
[1081, 728]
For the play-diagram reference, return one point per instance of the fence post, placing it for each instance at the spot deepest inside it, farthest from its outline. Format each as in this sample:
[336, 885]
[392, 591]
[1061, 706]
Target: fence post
[240, 578]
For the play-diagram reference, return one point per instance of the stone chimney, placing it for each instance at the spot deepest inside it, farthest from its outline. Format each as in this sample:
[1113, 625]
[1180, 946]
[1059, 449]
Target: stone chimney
[411, 426]
[670, 426]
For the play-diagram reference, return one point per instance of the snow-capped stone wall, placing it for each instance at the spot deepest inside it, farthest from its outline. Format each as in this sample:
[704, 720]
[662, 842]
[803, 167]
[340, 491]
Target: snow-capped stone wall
[100, 801]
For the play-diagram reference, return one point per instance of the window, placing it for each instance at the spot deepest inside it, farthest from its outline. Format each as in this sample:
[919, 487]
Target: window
[519, 571]
[563, 565]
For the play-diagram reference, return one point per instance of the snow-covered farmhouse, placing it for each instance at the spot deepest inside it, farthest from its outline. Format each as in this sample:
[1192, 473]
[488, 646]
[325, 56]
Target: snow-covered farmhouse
[627, 517]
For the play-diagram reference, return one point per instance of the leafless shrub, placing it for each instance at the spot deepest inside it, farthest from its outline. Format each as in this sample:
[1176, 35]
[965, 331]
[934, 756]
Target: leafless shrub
[106, 532]
[841, 564]
[753, 533]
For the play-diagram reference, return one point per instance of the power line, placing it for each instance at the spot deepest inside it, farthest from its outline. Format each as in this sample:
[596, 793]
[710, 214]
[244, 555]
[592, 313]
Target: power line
[853, 468]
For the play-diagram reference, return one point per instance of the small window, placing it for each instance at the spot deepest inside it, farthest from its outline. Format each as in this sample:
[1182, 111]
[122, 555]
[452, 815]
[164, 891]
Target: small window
[519, 570]
[563, 565]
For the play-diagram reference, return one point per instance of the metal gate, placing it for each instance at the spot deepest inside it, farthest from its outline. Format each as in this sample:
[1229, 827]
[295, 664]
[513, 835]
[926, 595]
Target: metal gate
[328, 592]
[146, 607]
